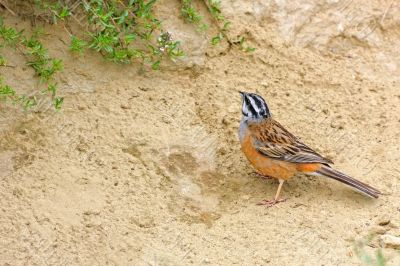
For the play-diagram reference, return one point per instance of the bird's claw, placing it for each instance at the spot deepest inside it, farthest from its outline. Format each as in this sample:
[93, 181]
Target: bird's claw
[270, 203]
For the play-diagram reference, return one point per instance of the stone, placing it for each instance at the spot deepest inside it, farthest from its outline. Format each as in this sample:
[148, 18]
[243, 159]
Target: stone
[390, 241]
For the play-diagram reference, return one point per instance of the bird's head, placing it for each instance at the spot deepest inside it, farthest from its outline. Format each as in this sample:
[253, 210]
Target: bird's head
[254, 106]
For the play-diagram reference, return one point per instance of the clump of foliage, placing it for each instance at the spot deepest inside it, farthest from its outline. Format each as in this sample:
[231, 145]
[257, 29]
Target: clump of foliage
[121, 31]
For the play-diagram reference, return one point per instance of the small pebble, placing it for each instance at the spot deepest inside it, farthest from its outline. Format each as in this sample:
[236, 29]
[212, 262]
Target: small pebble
[125, 106]
[384, 220]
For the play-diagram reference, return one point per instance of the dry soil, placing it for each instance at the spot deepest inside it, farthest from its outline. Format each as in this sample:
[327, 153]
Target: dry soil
[145, 168]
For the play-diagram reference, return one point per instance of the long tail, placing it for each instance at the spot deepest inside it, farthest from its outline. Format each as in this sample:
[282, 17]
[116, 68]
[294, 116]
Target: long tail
[334, 174]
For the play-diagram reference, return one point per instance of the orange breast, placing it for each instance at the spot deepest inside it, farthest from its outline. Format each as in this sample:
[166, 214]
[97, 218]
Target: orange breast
[273, 168]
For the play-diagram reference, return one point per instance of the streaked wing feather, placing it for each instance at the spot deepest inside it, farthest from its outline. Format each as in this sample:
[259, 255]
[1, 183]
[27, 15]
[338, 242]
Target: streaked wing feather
[280, 152]
[305, 158]
[278, 143]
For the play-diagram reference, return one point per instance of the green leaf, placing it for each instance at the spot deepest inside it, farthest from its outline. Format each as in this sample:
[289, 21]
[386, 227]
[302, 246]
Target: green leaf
[203, 27]
[77, 45]
[2, 60]
[250, 49]
[58, 101]
[217, 39]
[156, 65]
[226, 26]
[52, 88]
[64, 12]
[28, 102]
[241, 40]
[130, 37]
[6, 90]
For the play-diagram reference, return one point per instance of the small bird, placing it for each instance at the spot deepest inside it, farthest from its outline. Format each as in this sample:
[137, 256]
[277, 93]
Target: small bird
[275, 152]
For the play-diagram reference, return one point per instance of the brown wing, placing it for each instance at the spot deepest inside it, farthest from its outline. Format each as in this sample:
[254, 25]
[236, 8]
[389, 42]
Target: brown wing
[272, 140]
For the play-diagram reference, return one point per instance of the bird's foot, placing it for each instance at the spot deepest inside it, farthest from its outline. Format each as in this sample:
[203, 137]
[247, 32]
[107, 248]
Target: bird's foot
[270, 203]
[261, 175]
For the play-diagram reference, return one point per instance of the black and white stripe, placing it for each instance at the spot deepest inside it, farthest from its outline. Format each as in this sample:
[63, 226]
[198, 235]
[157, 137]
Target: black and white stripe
[254, 106]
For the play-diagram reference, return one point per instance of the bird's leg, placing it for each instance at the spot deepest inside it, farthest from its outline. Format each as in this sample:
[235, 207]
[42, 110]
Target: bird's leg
[276, 200]
[261, 175]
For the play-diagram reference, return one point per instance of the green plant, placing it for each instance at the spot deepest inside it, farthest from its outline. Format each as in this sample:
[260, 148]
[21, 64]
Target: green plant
[37, 57]
[77, 45]
[44, 66]
[377, 259]
[57, 10]
[244, 46]
[3, 61]
[10, 36]
[121, 31]
[214, 7]
[191, 15]
[8, 94]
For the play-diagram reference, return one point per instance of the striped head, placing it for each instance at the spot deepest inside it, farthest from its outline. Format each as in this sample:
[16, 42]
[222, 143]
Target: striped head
[254, 107]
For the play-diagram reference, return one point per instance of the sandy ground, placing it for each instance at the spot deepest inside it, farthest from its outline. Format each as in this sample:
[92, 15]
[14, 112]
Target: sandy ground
[146, 169]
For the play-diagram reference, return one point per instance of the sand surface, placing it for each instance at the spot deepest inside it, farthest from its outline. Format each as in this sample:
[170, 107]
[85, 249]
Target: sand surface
[146, 169]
